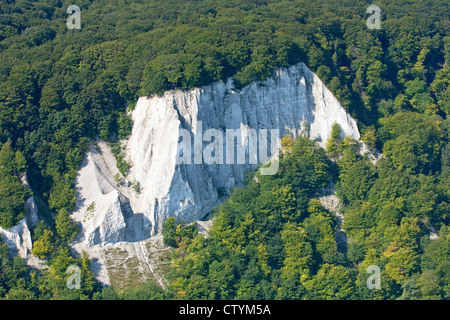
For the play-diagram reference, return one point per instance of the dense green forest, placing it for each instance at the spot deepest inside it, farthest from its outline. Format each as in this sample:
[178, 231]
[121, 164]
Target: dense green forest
[272, 239]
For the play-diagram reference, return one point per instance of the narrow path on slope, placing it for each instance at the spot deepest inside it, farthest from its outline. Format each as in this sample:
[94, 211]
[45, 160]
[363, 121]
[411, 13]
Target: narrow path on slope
[142, 252]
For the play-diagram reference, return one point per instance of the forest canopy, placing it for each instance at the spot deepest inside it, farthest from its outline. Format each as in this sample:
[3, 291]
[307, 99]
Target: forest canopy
[61, 88]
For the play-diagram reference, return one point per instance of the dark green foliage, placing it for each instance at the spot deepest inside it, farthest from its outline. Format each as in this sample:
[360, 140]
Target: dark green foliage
[264, 243]
[66, 228]
[117, 151]
[62, 195]
[60, 88]
[169, 232]
[17, 281]
[279, 243]
[355, 181]
[413, 141]
[12, 270]
[149, 290]
[334, 140]
[12, 193]
[124, 124]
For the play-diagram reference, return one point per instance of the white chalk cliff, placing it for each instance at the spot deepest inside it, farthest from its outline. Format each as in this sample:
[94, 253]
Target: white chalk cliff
[18, 238]
[294, 100]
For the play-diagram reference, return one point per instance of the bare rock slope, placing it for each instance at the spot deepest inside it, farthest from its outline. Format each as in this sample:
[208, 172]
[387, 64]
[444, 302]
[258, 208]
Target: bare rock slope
[294, 100]
[116, 218]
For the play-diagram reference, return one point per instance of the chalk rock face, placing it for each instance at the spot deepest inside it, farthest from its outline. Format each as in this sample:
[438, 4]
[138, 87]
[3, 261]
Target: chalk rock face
[103, 207]
[294, 101]
[170, 152]
[174, 138]
[18, 238]
[109, 225]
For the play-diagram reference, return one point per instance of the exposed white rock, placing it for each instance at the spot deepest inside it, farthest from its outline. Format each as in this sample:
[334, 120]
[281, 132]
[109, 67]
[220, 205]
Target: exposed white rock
[103, 209]
[294, 100]
[18, 238]
[433, 236]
